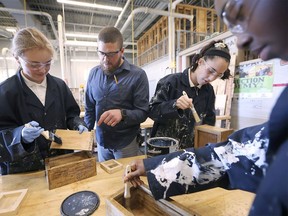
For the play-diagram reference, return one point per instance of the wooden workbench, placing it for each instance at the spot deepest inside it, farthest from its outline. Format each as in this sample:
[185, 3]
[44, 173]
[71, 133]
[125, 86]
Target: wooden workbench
[40, 200]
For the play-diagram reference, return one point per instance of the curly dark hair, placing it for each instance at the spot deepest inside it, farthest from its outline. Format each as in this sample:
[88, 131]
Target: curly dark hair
[214, 48]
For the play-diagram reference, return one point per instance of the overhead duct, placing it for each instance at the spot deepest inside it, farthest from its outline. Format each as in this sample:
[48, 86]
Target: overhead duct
[61, 46]
[122, 12]
[11, 10]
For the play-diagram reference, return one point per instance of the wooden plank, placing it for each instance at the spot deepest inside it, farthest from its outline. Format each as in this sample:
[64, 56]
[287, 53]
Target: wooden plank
[74, 141]
[201, 21]
[217, 202]
[223, 117]
[10, 201]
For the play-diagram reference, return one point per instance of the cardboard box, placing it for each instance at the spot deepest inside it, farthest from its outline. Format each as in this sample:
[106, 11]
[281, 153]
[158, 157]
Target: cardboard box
[209, 134]
[69, 168]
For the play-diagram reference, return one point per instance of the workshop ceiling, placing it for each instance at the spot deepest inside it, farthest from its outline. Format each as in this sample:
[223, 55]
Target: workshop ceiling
[85, 20]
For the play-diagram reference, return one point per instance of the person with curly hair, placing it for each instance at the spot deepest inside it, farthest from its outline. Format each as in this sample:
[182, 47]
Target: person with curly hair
[252, 159]
[170, 109]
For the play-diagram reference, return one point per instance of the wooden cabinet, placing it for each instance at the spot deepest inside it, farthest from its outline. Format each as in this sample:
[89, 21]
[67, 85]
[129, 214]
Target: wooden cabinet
[210, 134]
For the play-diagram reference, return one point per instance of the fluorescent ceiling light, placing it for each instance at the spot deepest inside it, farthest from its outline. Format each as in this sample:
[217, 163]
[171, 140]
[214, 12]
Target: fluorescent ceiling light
[89, 43]
[11, 29]
[85, 60]
[79, 35]
[75, 43]
[80, 43]
[90, 5]
[7, 58]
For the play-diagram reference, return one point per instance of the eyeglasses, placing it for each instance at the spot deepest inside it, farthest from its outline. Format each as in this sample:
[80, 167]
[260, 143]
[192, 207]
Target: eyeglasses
[212, 71]
[232, 17]
[36, 65]
[108, 54]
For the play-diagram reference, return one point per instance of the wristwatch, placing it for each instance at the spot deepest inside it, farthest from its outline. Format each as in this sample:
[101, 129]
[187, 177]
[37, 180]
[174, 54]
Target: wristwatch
[124, 114]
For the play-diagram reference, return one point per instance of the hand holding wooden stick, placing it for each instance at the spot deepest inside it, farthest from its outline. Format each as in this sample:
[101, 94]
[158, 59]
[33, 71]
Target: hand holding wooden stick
[127, 194]
[127, 184]
[194, 112]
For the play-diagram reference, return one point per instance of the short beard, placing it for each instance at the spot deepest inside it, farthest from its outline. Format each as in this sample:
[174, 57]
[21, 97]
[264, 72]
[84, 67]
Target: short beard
[110, 71]
[107, 72]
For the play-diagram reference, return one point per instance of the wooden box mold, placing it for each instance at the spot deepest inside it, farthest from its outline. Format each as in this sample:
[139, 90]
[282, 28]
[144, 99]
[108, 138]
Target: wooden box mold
[10, 201]
[65, 169]
[142, 203]
[210, 134]
[111, 166]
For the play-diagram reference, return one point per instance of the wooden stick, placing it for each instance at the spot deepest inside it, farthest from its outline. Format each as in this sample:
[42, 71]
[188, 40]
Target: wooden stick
[127, 184]
[194, 112]
[127, 194]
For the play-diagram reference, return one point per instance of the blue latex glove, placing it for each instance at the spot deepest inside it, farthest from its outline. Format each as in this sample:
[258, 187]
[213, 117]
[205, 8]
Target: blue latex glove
[31, 131]
[82, 129]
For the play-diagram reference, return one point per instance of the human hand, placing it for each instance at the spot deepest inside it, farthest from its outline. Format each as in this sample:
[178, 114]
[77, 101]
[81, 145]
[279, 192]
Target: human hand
[82, 128]
[110, 117]
[137, 170]
[184, 102]
[31, 131]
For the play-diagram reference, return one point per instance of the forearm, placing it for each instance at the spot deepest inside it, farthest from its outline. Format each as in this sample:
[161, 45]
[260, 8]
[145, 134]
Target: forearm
[135, 117]
[182, 172]
[161, 111]
[13, 148]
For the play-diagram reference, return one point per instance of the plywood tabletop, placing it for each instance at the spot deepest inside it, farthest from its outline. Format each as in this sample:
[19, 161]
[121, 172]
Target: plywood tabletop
[42, 201]
[218, 202]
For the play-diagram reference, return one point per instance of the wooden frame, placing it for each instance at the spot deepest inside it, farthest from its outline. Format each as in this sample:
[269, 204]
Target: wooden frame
[111, 166]
[10, 201]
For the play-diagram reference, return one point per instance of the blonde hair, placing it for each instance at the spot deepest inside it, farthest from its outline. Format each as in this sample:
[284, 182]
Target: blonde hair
[30, 38]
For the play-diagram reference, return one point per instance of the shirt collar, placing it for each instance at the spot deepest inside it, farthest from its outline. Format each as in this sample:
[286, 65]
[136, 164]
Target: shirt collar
[30, 83]
[190, 81]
